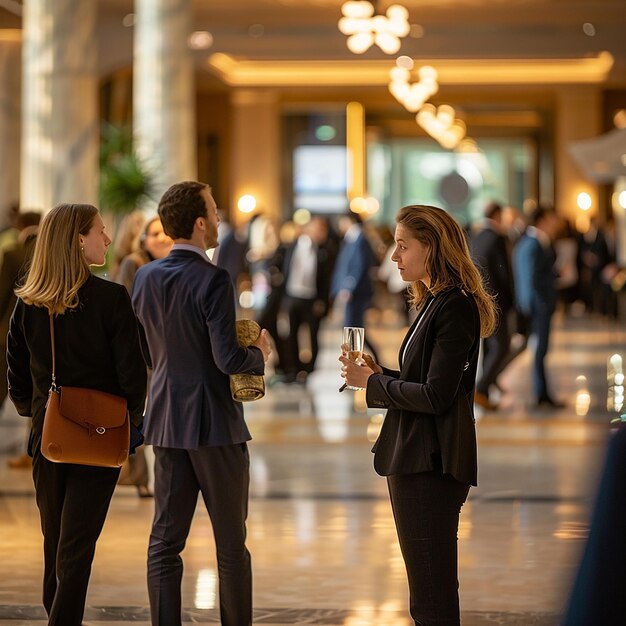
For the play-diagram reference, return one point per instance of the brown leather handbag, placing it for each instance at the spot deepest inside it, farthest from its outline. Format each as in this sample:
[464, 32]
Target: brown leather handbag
[84, 426]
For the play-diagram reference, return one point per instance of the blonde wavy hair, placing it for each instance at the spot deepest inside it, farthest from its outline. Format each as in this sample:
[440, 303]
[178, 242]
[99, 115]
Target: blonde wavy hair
[59, 268]
[448, 261]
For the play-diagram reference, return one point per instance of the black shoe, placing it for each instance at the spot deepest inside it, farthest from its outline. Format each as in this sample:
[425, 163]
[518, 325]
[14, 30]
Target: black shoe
[549, 403]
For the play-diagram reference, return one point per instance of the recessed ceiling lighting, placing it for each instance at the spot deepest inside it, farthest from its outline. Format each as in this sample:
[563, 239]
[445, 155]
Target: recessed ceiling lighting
[200, 40]
[128, 20]
[589, 29]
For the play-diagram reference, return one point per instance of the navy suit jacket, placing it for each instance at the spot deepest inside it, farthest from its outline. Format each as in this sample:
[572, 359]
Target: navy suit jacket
[430, 401]
[354, 262]
[186, 307]
[533, 267]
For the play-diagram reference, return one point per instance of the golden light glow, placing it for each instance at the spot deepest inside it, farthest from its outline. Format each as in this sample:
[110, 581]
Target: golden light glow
[247, 203]
[365, 72]
[10, 34]
[365, 29]
[355, 144]
[583, 201]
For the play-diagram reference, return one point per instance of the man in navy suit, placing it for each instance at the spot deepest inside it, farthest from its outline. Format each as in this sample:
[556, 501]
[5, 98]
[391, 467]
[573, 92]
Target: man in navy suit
[352, 284]
[186, 307]
[537, 295]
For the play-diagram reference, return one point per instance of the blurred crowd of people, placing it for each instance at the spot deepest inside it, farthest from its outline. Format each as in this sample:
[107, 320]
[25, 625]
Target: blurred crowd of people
[291, 276]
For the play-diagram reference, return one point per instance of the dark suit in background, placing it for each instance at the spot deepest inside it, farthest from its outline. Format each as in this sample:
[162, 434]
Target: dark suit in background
[97, 346]
[427, 446]
[351, 276]
[537, 295]
[490, 253]
[186, 306]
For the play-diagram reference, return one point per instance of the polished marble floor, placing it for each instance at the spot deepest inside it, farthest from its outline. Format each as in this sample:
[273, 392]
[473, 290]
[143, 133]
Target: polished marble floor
[320, 527]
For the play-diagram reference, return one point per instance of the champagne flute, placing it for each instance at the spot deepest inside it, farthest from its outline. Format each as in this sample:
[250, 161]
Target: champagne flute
[352, 348]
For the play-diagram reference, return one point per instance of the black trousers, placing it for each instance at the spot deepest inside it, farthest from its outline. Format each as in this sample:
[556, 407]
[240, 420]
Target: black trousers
[495, 350]
[300, 312]
[221, 474]
[73, 501]
[426, 509]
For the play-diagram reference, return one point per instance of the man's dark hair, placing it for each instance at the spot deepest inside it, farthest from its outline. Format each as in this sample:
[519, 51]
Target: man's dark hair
[492, 210]
[179, 208]
[539, 213]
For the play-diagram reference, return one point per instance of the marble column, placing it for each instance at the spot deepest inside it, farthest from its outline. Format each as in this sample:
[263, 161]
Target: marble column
[10, 80]
[578, 116]
[164, 123]
[255, 163]
[59, 104]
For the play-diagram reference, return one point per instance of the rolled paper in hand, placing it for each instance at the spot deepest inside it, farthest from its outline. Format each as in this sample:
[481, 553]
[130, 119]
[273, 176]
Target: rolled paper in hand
[247, 387]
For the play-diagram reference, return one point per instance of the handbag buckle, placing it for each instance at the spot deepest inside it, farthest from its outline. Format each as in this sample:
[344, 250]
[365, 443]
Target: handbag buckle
[101, 430]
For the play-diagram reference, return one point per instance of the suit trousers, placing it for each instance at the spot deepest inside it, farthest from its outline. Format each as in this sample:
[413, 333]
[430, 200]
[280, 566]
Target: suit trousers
[541, 321]
[73, 501]
[222, 475]
[300, 312]
[495, 350]
[426, 508]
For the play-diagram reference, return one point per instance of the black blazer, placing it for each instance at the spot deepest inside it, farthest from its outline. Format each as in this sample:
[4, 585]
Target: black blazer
[430, 401]
[97, 346]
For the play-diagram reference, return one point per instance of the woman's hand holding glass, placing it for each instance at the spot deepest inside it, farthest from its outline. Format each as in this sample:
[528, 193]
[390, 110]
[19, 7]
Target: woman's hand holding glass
[357, 373]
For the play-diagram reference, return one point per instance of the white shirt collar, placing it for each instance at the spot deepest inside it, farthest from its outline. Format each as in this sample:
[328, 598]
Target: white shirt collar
[191, 248]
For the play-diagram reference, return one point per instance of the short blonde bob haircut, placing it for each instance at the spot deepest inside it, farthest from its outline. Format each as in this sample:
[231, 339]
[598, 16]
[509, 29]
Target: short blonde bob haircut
[59, 268]
[448, 260]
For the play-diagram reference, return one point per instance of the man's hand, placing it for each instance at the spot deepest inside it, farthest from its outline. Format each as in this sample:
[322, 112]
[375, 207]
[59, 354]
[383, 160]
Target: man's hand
[263, 343]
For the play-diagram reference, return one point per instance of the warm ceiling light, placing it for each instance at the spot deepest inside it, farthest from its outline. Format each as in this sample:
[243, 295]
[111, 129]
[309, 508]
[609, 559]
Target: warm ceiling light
[412, 96]
[589, 29]
[364, 28]
[247, 203]
[442, 125]
[584, 201]
[200, 40]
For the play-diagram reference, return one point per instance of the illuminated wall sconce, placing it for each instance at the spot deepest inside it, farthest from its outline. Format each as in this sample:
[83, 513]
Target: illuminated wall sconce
[621, 199]
[247, 203]
[365, 29]
[442, 125]
[412, 96]
[584, 201]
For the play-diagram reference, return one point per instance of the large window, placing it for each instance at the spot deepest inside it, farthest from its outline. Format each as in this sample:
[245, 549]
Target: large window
[405, 172]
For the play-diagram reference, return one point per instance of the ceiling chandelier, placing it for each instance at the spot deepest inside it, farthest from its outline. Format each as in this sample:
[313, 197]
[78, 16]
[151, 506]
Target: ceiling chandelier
[442, 124]
[414, 95]
[365, 29]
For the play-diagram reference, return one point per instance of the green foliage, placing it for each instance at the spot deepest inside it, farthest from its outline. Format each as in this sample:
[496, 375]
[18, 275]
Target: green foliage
[124, 179]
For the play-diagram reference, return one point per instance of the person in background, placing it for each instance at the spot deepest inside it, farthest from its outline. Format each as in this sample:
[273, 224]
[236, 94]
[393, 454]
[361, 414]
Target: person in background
[427, 444]
[351, 284]
[536, 292]
[15, 261]
[490, 253]
[151, 244]
[186, 307]
[126, 237]
[96, 346]
[306, 271]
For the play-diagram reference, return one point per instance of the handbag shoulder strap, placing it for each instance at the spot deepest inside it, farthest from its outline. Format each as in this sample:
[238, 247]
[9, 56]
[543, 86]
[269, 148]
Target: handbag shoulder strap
[54, 375]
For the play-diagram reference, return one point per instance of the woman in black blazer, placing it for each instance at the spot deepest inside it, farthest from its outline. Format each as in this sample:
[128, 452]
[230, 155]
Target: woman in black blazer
[427, 445]
[97, 346]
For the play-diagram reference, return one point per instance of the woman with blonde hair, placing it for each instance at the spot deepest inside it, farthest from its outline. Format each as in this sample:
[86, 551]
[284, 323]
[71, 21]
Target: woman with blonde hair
[96, 346]
[427, 444]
